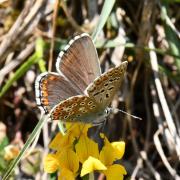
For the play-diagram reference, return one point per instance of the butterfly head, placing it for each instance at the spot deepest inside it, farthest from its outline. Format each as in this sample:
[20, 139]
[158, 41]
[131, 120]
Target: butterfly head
[101, 117]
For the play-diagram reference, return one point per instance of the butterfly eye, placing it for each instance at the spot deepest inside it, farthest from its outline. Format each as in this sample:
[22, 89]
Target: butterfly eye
[107, 111]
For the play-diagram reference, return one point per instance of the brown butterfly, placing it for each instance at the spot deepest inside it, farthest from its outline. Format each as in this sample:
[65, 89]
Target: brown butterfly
[78, 92]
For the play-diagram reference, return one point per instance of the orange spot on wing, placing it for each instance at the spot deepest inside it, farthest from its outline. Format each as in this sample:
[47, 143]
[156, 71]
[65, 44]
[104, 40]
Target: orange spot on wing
[45, 102]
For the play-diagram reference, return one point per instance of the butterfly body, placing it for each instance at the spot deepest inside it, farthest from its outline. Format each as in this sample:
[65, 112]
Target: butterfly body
[78, 92]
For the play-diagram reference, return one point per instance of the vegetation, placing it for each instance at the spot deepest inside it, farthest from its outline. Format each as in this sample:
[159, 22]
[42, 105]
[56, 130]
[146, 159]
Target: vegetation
[144, 33]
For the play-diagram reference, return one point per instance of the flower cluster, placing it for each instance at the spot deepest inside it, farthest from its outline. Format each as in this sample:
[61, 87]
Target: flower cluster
[77, 154]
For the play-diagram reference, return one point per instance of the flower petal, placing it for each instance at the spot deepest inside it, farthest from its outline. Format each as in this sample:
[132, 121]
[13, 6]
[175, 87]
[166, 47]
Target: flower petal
[115, 172]
[85, 148]
[55, 145]
[106, 141]
[65, 174]
[68, 160]
[107, 155]
[77, 129]
[111, 152]
[61, 141]
[11, 151]
[119, 148]
[92, 164]
[51, 163]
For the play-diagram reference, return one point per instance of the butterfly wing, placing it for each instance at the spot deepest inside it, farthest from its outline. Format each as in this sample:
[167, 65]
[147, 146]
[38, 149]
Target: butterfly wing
[76, 109]
[79, 62]
[51, 88]
[103, 89]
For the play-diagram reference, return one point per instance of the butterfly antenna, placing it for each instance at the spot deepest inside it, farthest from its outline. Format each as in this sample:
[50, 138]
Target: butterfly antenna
[124, 112]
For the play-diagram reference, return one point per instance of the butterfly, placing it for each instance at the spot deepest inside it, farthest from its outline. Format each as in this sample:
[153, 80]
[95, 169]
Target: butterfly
[78, 92]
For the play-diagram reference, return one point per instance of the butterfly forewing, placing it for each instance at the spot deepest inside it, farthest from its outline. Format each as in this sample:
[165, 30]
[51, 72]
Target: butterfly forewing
[79, 62]
[78, 108]
[103, 89]
[51, 88]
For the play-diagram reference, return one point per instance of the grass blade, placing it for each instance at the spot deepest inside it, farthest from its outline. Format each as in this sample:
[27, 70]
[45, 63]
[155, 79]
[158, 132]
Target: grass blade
[107, 7]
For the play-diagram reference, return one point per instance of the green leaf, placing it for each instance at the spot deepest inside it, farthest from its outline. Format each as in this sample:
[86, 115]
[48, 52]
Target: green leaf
[53, 176]
[3, 164]
[39, 48]
[4, 143]
[40, 44]
[107, 7]
[171, 36]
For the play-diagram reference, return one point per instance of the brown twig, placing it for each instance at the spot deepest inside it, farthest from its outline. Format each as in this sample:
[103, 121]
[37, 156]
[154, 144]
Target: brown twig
[23, 27]
[71, 19]
[56, 6]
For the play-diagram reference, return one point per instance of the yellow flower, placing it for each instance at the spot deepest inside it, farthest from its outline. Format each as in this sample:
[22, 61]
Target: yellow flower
[112, 152]
[75, 147]
[92, 164]
[51, 163]
[85, 148]
[68, 163]
[65, 174]
[109, 153]
[77, 129]
[104, 162]
[61, 141]
[11, 151]
[115, 172]
[119, 148]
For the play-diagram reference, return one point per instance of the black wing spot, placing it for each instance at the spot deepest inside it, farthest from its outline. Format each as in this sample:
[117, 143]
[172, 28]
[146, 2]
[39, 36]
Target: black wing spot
[90, 102]
[111, 88]
[75, 104]
[96, 94]
[92, 107]
[82, 103]
[102, 91]
[107, 95]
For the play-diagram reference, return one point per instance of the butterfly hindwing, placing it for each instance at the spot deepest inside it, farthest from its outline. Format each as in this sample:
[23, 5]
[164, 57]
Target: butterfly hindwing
[78, 108]
[103, 89]
[51, 88]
